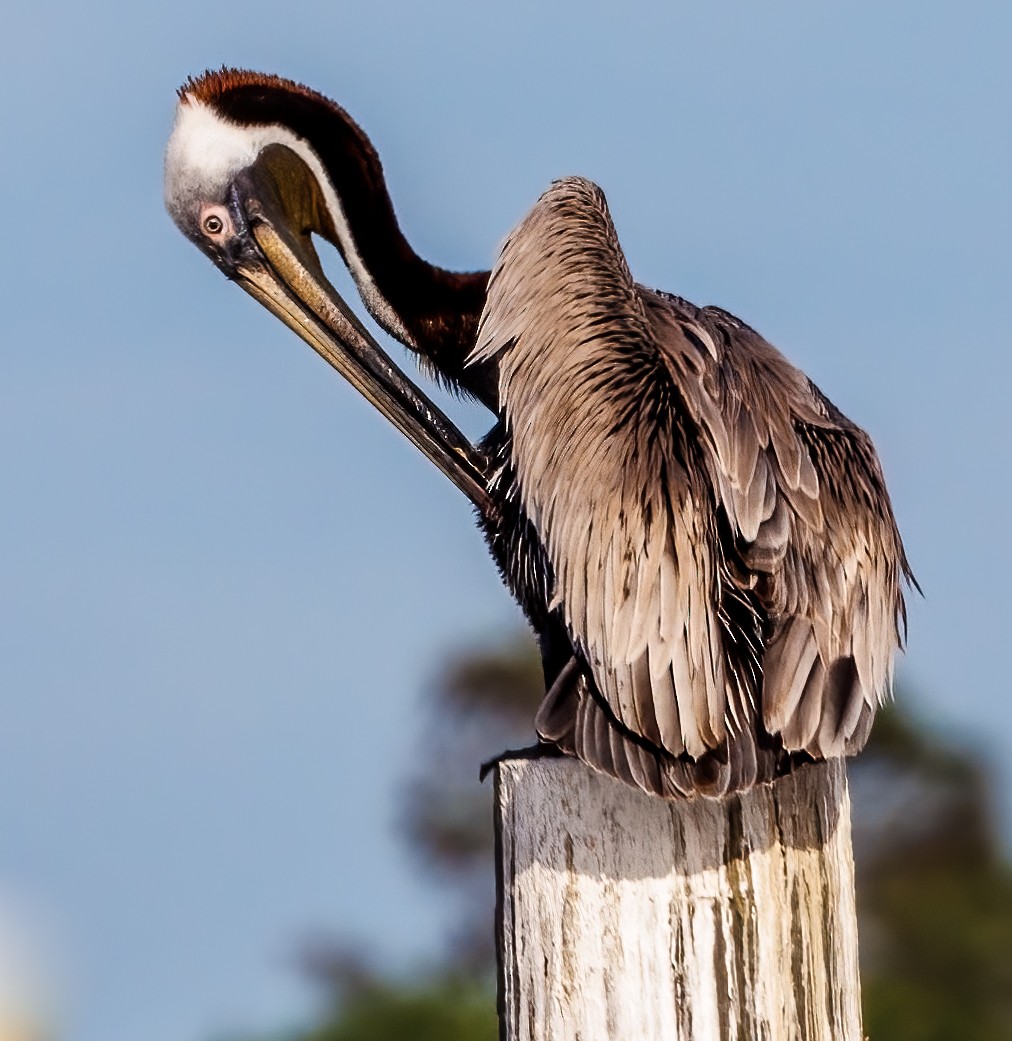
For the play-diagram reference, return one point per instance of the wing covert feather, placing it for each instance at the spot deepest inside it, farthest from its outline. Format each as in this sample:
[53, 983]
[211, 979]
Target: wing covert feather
[723, 547]
[804, 495]
[608, 475]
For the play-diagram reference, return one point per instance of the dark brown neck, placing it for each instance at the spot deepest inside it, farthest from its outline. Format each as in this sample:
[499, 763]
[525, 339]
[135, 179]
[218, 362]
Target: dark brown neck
[437, 309]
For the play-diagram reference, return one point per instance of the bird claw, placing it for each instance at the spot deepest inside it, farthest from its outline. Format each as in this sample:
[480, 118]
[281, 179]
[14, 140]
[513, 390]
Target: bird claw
[542, 750]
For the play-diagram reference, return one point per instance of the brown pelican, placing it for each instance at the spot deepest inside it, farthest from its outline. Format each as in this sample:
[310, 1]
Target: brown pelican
[703, 543]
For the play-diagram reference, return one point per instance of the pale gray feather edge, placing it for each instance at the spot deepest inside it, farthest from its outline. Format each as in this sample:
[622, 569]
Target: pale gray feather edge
[800, 484]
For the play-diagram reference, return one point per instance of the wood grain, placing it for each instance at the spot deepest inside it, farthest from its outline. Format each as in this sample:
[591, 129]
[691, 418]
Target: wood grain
[623, 916]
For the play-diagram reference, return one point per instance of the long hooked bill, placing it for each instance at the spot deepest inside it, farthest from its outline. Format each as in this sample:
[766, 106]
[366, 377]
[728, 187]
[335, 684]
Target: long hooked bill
[292, 286]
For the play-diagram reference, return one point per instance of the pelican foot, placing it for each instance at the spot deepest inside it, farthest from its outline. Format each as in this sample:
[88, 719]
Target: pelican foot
[542, 750]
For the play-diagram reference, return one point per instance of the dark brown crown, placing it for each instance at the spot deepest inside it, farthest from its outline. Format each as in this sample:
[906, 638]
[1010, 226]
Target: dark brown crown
[213, 83]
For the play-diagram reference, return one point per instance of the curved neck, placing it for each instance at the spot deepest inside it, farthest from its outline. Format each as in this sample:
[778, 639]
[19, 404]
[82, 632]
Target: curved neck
[432, 311]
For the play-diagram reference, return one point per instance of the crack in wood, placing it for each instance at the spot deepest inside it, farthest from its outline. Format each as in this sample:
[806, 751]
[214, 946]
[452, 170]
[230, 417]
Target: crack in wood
[622, 916]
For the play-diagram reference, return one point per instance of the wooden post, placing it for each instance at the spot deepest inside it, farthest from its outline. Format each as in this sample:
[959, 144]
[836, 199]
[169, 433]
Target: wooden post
[628, 918]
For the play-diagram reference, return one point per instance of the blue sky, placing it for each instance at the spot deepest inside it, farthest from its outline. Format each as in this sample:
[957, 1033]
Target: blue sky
[222, 575]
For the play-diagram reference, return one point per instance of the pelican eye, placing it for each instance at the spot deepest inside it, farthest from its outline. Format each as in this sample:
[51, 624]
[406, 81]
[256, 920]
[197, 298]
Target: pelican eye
[215, 223]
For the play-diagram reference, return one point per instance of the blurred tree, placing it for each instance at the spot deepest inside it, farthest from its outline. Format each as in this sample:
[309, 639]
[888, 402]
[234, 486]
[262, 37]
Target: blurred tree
[364, 1005]
[437, 1011]
[934, 889]
[934, 886]
[482, 702]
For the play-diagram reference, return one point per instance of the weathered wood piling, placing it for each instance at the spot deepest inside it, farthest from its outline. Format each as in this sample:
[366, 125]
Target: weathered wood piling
[629, 918]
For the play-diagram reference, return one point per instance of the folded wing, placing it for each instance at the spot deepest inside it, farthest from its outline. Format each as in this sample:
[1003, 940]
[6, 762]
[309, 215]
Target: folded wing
[724, 552]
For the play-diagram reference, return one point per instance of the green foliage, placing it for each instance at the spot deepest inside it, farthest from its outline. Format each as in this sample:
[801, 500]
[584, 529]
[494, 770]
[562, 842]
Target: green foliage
[934, 891]
[945, 968]
[443, 1010]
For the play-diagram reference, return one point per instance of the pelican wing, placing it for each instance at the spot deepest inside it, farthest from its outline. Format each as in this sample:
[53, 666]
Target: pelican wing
[725, 555]
[812, 526]
[609, 467]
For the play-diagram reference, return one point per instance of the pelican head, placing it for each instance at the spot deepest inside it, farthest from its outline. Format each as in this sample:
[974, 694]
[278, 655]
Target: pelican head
[254, 168]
